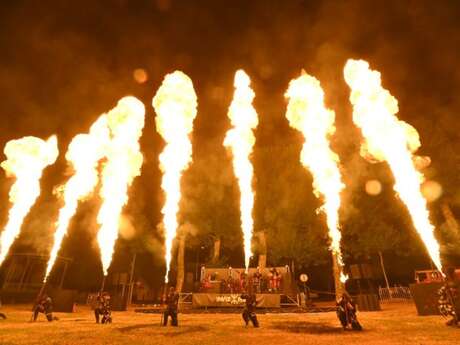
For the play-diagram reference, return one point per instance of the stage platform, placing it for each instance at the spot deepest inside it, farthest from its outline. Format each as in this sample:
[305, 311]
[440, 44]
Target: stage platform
[186, 308]
[231, 303]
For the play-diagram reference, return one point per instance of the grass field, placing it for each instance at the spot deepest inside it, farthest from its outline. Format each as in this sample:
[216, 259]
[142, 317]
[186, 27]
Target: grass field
[396, 324]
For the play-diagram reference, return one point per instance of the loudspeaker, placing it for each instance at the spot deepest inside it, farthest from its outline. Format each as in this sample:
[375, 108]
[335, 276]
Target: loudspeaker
[425, 296]
[63, 300]
[118, 303]
[368, 302]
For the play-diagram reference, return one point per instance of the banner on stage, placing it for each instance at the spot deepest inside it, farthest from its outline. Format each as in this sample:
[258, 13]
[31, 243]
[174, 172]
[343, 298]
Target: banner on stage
[233, 300]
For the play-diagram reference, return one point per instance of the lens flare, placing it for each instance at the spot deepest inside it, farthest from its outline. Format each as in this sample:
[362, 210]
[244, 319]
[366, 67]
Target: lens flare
[240, 139]
[307, 113]
[175, 104]
[373, 187]
[26, 159]
[386, 138]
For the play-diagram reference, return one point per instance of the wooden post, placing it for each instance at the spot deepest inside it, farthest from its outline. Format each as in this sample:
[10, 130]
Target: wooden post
[384, 272]
[24, 272]
[216, 251]
[61, 284]
[262, 250]
[131, 280]
[336, 270]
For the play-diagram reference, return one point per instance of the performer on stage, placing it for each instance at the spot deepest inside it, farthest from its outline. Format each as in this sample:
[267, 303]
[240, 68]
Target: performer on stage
[249, 312]
[449, 297]
[44, 305]
[243, 277]
[171, 301]
[256, 280]
[275, 280]
[346, 312]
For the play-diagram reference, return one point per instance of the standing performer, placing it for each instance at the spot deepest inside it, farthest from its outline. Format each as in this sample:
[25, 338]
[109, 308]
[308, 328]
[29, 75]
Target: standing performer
[449, 298]
[346, 312]
[256, 278]
[44, 305]
[243, 277]
[103, 308]
[171, 301]
[249, 312]
[275, 280]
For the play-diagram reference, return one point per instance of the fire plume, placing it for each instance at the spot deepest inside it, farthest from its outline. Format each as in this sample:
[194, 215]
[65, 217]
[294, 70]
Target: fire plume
[83, 155]
[240, 139]
[175, 104]
[124, 162]
[386, 138]
[26, 159]
[307, 113]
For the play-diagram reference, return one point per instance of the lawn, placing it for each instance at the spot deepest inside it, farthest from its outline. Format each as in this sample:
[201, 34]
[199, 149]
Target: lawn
[396, 324]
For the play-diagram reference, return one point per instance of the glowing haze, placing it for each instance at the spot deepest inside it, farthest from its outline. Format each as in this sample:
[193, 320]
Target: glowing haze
[175, 104]
[83, 155]
[307, 113]
[386, 138]
[26, 159]
[124, 162]
[240, 139]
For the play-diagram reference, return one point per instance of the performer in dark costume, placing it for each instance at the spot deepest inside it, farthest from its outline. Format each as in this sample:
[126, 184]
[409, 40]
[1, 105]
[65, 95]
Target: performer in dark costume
[243, 283]
[249, 312]
[171, 301]
[256, 280]
[346, 312]
[449, 297]
[44, 305]
[103, 308]
[2, 316]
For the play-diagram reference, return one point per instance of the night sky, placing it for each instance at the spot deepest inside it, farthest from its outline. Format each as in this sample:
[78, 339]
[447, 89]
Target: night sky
[63, 63]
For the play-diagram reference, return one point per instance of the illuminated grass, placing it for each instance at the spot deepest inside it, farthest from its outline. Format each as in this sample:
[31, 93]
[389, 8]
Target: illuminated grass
[396, 324]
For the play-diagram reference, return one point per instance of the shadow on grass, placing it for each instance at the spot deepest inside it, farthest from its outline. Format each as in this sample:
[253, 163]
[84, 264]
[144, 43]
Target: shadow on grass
[174, 331]
[306, 327]
[134, 327]
[186, 330]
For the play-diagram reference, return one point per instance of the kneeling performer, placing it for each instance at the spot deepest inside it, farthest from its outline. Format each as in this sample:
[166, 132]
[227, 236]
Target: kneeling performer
[103, 308]
[249, 312]
[346, 312]
[44, 305]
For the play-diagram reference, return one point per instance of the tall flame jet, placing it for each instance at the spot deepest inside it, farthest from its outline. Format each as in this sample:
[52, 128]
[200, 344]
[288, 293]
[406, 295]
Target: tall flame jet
[307, 113]
[26, 159]
[83, 155]
[386, 138]
[240, 139]
[175, 104]
[124, 162]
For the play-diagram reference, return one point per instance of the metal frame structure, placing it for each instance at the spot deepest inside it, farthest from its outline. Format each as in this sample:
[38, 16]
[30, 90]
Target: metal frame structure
[25, 272]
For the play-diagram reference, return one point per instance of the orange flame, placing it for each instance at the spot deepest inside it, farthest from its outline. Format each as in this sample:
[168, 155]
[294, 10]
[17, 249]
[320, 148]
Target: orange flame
[124, 162]
[240, 139]
[26, 159]
[307, 113]
[386, 138]
[175, 104]
[84, 153]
